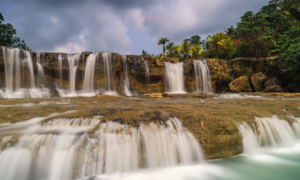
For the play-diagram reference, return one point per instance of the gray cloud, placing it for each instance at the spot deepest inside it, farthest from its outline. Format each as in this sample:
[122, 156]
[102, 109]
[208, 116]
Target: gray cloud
[113, 25]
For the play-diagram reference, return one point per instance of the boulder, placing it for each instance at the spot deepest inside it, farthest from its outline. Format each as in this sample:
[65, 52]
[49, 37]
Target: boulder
[294, 87]
[258, 81]
[241, 84]
[274, 88]
[273, 81]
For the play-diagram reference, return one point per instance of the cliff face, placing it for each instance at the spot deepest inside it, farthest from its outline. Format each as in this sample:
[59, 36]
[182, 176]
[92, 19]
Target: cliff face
[222, 72]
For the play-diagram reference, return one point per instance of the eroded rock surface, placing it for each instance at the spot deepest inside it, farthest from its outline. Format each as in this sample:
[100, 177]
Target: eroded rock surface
[241, 84]
[258, 81]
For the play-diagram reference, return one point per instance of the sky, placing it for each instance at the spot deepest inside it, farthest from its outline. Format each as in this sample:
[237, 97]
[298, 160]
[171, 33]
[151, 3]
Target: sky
[121, 26]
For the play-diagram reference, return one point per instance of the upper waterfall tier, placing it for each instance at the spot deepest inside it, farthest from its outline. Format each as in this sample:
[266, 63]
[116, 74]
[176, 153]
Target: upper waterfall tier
[88, 74]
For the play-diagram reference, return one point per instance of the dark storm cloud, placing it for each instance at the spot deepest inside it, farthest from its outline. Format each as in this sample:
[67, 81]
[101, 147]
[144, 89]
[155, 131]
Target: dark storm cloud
[95, 25]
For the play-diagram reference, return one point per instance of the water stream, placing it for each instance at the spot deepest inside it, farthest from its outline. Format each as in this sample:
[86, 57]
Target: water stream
[174, 78]
[202, 77]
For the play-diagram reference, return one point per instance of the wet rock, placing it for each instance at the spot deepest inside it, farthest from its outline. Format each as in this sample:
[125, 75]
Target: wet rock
[258, 81]
[241, 84]
[273, 81]
[274, 88]
[294, 87]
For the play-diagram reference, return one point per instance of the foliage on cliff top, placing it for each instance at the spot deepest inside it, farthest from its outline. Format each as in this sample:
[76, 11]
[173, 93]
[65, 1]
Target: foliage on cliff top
[7, 38]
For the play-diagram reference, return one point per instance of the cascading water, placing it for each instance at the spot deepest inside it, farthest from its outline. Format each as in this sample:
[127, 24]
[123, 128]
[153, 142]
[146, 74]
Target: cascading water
[61, 149]
[88, 83]
[41, 75]
[59, 58]
[107, 74]
[147, 78]
[14, 70]
[202, 77]
[73, 63]
[174, 78]
[126, 82]
[272, 132]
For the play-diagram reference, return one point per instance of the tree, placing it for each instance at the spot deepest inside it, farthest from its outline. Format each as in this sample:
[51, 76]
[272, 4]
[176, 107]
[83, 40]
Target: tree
[163, 41]
[170, 45]
[195, 40]
[289, 56]
[7, 38]
[184, 48]
[196, 51]
[215, 39]
[145, 53]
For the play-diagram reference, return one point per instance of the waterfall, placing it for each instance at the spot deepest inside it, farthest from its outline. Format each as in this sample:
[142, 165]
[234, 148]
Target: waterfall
[59, 58]
[250, 141]
[271, 132]
[174, 78]
[62, 149]
[14, 71]
[108, 73]
[126, 82]
[88, 83]
[147, 78]
[73, 63]
[41, 75]
[202, 77]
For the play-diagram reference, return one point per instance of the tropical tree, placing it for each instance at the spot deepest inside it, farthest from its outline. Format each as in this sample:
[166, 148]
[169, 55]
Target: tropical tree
[163, 41]
[145, 53]
[195, 40]
[7, 38]
[215, 39]
[196, 51]
[184, 48]
[170, 45]
[173, 51]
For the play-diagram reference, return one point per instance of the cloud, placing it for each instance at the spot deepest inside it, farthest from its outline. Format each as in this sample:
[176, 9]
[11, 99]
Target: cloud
[118, 25]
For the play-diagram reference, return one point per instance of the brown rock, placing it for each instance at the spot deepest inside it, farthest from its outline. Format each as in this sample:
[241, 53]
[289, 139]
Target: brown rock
[241, 84]
[294, 87]
[274, 88]
[273, 81]
[258, 81]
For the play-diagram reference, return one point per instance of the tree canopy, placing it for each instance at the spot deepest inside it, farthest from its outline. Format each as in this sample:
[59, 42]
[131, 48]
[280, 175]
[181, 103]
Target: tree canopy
[7, 37]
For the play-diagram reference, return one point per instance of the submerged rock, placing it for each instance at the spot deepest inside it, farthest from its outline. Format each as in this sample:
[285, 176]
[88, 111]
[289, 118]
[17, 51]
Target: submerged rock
[241, 84]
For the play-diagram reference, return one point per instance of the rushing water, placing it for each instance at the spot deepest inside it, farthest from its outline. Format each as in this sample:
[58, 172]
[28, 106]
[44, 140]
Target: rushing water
[126, 82]
[16, 62]
[61, 149]
[202, 77]
[174, 78]
[88, 82]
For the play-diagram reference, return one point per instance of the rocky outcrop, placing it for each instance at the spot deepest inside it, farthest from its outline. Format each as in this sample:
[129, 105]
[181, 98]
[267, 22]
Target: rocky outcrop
[294, 87]
[220, 74]
[258, 81]
[274, 88]
[241, 84]
[273, 81]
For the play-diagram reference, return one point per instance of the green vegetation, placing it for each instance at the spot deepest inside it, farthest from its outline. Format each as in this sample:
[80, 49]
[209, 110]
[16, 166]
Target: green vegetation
[7, 38]
[274, 30]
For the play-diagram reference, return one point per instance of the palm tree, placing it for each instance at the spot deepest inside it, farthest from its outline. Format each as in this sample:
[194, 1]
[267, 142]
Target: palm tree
[215, 39]
[170, 45]
[184, 48]
[145, 53]
[227, 44]
[173, 51]
[163, 41]
[196, 51]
